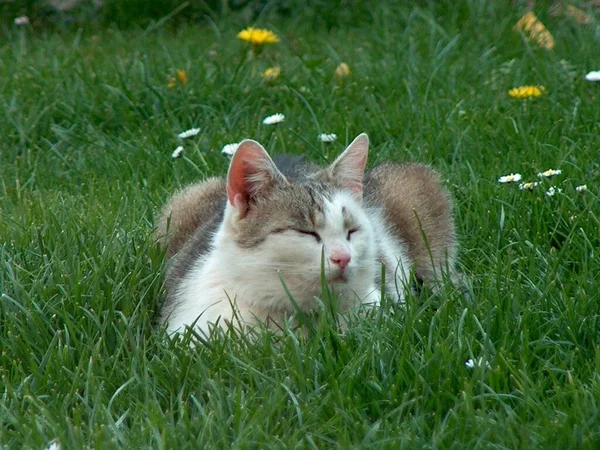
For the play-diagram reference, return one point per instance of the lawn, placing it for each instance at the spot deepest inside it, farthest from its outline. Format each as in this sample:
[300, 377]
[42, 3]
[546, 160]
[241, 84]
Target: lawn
[89, 119]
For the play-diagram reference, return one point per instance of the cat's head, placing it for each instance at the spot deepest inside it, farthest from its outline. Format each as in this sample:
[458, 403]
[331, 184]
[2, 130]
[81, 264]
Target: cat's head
[288, 228]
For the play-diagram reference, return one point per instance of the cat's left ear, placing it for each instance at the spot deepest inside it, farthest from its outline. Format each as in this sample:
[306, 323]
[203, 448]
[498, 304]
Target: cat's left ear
[349, 168]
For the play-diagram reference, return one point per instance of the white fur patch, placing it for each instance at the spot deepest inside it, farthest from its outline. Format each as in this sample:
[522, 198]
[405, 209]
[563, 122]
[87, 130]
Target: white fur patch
[252, 278]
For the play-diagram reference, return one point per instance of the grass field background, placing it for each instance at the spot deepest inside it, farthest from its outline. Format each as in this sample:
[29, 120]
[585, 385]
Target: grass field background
[87, 127]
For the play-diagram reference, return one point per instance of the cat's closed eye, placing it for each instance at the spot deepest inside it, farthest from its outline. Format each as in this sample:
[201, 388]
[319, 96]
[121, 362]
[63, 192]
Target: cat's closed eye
[351, 232]
[310, 233]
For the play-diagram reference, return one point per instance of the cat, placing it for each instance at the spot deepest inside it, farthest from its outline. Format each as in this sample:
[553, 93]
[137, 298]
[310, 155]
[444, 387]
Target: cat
[234, 242]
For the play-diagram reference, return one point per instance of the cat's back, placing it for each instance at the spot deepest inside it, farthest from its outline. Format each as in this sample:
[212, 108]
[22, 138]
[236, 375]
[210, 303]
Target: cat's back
[417, 210]
[188, 211]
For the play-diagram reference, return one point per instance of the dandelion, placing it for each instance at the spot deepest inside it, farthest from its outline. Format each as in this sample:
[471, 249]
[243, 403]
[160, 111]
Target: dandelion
[258, 37]
[581, 188]
[342, 70]
[177, 152]
[230, 149]
[180, 75]
[21, 20]
[272, 120]
[327, 137]
[535, 30]
[550, 192]
[188, 133]
[512, 178]
[271, 73]
[528, 186]
[549, 173]
[594, 75]
[479, 362]
[526, 92]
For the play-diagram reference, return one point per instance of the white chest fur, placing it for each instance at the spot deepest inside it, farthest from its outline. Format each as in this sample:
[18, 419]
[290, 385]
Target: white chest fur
[233, 285]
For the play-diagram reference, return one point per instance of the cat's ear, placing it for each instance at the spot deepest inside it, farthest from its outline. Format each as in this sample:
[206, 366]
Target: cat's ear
[348, 169]
[252, 174]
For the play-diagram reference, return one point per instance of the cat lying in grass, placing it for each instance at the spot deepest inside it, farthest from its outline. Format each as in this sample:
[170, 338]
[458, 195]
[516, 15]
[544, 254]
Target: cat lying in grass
[234, 242]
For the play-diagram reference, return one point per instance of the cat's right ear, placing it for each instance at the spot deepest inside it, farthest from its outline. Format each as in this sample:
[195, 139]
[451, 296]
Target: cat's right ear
[252, 174]
[348, 169]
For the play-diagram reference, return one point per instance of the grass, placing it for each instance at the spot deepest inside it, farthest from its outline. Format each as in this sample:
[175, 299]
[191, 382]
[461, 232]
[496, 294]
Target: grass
[87, 127]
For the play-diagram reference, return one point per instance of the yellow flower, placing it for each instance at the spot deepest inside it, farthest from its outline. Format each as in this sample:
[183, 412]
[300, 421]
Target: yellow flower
[342, 70]
[181, 76]
[535, 30]
[272, 73]
[526, 91]
[258, 36]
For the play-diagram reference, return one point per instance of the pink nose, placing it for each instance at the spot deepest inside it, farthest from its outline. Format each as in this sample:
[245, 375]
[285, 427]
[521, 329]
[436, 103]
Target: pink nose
[340, 259]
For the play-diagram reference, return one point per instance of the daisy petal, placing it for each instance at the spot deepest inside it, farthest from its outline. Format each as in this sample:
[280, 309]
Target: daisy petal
[528, 186]
[327, 137]
[54, 445]
[549, 173]
[188, 133]
[230, 149]
[593, 76]
[21, 20]
[479, 362]
[177, 152]
[275, 118]
[550, 192]
[512, 178]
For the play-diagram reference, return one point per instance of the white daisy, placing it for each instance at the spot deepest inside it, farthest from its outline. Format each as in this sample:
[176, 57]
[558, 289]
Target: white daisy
[188, 133]
[581, 188]
[528, 186]
[21, 20]
[327, 137]
[512, 178]
[550, 192]
[550, 173]
[594, 75]
[177, 152]
[472, 363]
[54, 445]
[230, 149]
[275, 118]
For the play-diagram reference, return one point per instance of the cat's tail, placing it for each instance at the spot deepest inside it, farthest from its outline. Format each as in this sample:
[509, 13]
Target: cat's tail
[186, 211]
